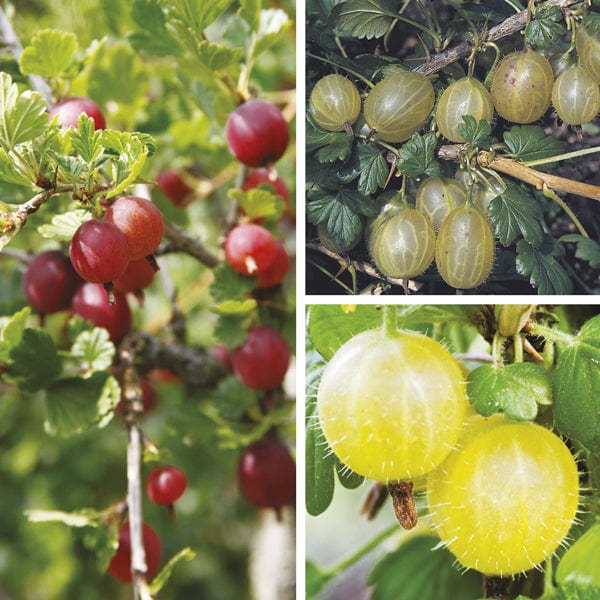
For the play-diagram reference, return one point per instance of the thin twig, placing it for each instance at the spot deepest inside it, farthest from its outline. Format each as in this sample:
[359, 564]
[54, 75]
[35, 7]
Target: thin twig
[182, 241]
[509, 26]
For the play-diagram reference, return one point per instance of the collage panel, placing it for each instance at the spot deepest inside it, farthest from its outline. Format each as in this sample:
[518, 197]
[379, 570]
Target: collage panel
[452, 148]
[147, 299]
[452, 451]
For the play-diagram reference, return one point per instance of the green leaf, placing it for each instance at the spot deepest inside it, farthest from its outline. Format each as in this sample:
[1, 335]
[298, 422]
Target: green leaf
[236, 308]
[373, 169]
[229, 330]
[233, 399]
[36, 363]
[93, 350]
[576, 591]
[74, 405]
[152, 35]
[164, 574]
[579, 565]
[259, 202]
[50, 53]
[587, 249]
[330, 326]
[316, 579]
[216, 57]
[422, 574]
[529, 142]
[576, 387]
[9, 173]
[546, 27]
[24, 116]
[340, 214]
[63, 226]
[348, 478]
[11, 332]
[542, 267]
[476, 133]
[319, 459]
[229, 284]
[85, 140]
[328, 146]
[417, 156]
[250, 11]
[364, 18]
[516, 389]
[273, 26]
[516, 213]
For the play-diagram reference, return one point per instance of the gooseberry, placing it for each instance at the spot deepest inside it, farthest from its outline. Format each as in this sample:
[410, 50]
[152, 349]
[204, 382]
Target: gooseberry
[334, 102]
[576, 96]
[68, 110]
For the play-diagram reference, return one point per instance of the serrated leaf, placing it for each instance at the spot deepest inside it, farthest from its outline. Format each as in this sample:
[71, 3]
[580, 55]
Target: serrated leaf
[165, 573]
[50, 53]
[576, 387]
[364, 18]
[327, 146]
[422, 574]
[259, 202]
[35, 361]
[319, 459]
[152, 35]
[11, 332]
[542, 268]
[476, 133]
[229, 330]
[63, 226]
[24, 116]
[516, 389]
[85, 140]
[417, 156]
[273, 25]
[94, 350]
[216, 57]
[236, 308]
[546, 27]
[10, 174]
[529, 143]
[516, 213]
[340, 216]
[229, 284]
[373, 168]
[587, 249]
[74, 405]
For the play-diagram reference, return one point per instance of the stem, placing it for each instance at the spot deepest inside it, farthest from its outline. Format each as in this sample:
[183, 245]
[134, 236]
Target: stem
[518, 347]
[552, 195]
[553, 334]
[183, 242]
[566, 156]
[342, 566]
[351, 71]
[389, 320]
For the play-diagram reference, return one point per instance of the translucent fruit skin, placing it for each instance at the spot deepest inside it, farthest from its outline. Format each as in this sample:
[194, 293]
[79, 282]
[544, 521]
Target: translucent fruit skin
[576, 96]
[587, 44]
[403, 245]
[250, 249]
[522, 87]
[391, 407]
[437, 196]
[69, 109]
[505, 500]
[50, 282]
[165, 485]
[334, 101]
[399, 105]
[256, 133]
[467, 96]
[464, 252]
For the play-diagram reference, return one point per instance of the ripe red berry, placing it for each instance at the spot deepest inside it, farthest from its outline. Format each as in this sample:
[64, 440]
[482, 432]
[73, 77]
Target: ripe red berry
[278, 269]
[257, 133]
[91, 303]
[265, 177]
[120, 564]
[69, 109]
[172, 185]
[267, 475]
[250, 248]
[99, 251]
[262, 361]
[137, 276]
[165, 485]
[140, 221]
[50, 282]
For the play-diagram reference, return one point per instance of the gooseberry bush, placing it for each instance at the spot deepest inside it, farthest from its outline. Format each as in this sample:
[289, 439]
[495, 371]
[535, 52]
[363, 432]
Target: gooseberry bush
[467, 438]
[482, 118]
[143, 354]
